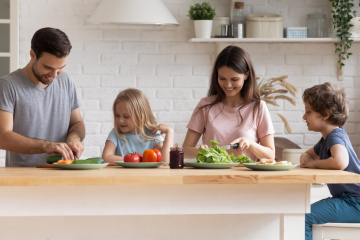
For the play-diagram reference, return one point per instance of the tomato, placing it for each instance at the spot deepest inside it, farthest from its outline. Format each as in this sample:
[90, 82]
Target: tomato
[149, 156]
[158, 154]
[131, 157]
[140, 156]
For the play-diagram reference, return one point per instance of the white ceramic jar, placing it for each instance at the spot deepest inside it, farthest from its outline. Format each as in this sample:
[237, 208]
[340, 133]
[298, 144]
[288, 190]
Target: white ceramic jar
[216, 26]
[263, 25]
[292, 155]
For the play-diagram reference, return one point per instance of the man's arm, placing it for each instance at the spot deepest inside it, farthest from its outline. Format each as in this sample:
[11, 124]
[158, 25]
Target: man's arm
[14, 142]
[76, 132]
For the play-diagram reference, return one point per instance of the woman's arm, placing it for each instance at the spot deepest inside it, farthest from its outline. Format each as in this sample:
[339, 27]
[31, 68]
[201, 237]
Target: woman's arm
[189, 145]
[109, 154]
[264, 149]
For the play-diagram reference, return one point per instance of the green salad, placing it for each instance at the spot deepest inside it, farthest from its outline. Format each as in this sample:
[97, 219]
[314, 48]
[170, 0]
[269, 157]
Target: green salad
[217, 154]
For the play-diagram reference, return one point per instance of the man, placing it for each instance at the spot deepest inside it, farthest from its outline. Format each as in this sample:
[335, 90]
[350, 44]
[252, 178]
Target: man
[39, 107]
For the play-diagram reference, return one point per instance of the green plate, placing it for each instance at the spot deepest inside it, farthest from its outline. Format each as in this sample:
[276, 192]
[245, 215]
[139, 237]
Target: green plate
[139, 164]
[81, 166]
[262, 167]
[211, 165]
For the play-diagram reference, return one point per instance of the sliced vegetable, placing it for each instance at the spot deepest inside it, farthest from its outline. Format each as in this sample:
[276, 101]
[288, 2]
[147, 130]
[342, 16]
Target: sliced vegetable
[96, 160]
[53, 159]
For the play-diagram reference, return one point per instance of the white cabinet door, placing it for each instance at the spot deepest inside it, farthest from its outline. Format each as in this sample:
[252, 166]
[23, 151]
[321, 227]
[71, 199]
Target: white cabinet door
[9, 42]
[9, 31]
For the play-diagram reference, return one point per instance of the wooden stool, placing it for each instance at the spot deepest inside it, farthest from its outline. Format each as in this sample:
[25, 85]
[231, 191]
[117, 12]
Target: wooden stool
[336, 231]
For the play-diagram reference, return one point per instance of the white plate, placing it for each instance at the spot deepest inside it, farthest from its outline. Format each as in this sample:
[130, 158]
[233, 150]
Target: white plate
[139, 164]
[263, 167]
[211, 165]
[81, 166]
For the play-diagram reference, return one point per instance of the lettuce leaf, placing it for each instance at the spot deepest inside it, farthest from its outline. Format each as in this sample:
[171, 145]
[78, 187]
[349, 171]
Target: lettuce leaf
[217, 154]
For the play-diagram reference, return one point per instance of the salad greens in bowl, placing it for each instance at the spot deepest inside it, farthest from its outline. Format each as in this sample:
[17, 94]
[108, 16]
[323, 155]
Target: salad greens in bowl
[217, 154]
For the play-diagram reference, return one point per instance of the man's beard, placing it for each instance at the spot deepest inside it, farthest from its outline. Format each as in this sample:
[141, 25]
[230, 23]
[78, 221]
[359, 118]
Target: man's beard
[38, 77]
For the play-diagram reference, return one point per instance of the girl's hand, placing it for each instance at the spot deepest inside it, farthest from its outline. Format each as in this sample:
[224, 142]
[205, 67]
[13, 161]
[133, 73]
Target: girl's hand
[244, 143]
[163, 128]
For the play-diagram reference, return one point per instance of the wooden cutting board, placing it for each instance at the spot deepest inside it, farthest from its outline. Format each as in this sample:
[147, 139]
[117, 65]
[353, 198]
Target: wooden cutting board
[45, 166]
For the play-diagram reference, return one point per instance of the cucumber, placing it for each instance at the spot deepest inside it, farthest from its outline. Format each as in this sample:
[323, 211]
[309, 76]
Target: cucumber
[95, 160]
[53, 159]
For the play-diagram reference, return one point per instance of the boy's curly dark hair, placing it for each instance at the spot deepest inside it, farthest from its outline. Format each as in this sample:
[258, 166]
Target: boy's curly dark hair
[325, 98]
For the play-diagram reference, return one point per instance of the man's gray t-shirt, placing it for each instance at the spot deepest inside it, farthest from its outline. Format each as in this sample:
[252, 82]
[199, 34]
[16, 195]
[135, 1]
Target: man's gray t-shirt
[37, 113]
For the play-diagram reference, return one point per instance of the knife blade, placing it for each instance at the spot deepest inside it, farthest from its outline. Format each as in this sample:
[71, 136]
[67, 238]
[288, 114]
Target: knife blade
[231, 146]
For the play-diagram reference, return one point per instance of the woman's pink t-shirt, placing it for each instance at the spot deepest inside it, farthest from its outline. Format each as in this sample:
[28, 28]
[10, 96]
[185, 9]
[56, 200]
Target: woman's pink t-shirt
[223, 124]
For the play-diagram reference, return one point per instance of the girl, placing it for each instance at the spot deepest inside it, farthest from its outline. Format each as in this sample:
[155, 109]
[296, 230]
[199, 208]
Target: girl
[232, 112]
[135, 128]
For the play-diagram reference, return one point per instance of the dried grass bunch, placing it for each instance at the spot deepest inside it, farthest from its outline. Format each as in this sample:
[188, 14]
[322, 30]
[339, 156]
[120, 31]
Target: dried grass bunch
[276, 88]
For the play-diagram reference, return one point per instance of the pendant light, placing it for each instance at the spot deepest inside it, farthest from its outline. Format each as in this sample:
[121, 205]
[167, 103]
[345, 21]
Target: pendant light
[139, 12]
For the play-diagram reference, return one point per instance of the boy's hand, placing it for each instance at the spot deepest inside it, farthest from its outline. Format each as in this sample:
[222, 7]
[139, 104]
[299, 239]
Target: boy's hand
[306, 163]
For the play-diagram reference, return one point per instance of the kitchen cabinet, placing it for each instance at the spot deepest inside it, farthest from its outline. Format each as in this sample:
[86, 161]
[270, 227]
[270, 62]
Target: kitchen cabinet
[9, 31]
[122, 203]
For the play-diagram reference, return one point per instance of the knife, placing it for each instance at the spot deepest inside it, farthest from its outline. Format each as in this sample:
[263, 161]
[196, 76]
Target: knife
[231, 146]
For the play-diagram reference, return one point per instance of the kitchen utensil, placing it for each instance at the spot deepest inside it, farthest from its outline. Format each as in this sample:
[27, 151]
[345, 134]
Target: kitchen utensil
[231, 146]
[225, 30]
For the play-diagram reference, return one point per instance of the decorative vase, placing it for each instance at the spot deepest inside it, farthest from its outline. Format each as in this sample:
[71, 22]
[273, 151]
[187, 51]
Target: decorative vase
[203, 28]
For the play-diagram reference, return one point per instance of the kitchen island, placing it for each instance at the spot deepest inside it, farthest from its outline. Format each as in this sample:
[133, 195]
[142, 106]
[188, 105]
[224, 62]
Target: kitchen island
[159, 203]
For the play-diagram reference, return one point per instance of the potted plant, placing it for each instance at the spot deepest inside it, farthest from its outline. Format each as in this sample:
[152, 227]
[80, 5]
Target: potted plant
[342, 13]
[202, 14]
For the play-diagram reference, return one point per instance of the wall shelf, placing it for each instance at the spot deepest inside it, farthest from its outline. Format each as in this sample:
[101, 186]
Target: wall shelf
[266, 40]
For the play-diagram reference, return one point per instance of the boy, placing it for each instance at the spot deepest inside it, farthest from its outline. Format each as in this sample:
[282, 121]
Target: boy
[326, 111]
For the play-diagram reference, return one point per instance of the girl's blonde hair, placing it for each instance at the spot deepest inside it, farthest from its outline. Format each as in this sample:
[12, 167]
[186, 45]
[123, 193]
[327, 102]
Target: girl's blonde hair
[139, 110]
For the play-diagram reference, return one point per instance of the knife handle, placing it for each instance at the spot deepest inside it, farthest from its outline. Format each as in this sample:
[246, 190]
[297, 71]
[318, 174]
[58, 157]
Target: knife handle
[234, 146]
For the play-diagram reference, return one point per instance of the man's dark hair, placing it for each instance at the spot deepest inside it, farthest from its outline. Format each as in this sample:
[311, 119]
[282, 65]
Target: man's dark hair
[50, 40]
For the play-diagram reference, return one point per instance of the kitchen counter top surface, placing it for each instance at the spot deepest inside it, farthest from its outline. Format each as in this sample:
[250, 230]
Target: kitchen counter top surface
[116, 175]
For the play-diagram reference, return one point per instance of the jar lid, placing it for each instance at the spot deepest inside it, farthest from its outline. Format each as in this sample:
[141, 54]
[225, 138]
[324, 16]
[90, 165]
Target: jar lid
[264, 17]
[239, 5]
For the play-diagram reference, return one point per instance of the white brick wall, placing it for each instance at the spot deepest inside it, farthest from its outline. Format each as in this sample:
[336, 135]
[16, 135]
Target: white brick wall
[174, 73]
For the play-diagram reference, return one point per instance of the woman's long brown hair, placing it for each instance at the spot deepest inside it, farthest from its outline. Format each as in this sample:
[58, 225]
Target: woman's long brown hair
[236, 58]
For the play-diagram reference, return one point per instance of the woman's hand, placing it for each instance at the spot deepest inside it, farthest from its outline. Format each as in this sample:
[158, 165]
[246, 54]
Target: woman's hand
[244, 143]
[203, 146]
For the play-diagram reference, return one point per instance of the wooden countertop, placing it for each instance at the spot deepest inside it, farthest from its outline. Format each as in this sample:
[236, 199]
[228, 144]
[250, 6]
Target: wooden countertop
[164, 175]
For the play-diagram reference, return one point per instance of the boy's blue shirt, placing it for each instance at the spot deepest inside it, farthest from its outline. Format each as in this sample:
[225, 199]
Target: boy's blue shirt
[322, 149]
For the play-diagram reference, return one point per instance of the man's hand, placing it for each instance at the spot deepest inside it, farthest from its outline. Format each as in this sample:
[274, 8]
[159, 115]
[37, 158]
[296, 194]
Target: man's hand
[76, 146]
[59, 148]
